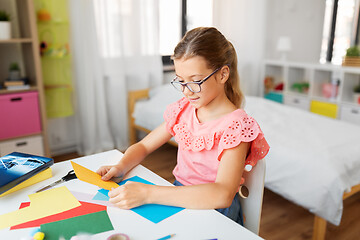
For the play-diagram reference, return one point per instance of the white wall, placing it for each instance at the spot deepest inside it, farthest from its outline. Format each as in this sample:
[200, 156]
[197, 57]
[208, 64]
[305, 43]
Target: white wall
[255, 26]
[302, 21]
[243, 23]
[62, 135]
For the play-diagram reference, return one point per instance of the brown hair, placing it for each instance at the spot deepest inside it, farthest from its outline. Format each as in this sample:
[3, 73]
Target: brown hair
[209, 43]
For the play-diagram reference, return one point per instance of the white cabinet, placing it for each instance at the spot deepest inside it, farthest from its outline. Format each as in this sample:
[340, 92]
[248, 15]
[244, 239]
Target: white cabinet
[297, 101]
[350, 114]
[31, 145]
[324, 89]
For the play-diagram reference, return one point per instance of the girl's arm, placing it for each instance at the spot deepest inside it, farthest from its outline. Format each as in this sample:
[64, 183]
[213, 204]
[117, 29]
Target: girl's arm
[136, 153]
[204, 196]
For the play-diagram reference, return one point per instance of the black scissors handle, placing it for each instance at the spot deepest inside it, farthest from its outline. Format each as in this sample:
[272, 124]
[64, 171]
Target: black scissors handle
[67, 177]
[71, 175]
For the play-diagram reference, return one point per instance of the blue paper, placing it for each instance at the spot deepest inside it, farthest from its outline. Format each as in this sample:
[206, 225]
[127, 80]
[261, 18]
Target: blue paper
[153, 212]
[101, 196]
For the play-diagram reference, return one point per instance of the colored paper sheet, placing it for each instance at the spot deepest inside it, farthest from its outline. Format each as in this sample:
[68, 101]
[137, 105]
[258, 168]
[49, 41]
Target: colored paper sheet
[85, 197]
[153, 212]
[101, 196]
[91, 177]
[104, 192]
[47, 173]
[42, 204]
[90, 223]
[85, 208]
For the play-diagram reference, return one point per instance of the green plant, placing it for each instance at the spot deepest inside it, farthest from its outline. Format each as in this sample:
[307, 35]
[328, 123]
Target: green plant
[353, 51]
[4, 16]
[14, 67]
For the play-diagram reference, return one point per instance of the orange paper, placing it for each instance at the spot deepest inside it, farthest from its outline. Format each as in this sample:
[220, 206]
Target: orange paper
[91, 177]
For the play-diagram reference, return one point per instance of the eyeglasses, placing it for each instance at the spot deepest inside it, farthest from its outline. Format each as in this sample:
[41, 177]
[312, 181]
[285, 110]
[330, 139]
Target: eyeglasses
[194, 87]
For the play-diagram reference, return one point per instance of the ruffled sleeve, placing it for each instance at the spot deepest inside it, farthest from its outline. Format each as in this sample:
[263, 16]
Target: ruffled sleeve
[172, 113]
[245, 129]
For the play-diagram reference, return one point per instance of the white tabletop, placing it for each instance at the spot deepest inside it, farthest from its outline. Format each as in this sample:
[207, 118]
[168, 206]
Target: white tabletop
[186, 224]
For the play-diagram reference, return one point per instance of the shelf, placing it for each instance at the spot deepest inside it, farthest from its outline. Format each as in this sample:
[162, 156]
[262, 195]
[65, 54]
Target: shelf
[20, 137]
[326, 100]
[330, 91]
[16, 40]
[5, 91]
[298, 80]
[350, 104]
[296, 94]
[67, 56]
[23, 48]
[53, 22]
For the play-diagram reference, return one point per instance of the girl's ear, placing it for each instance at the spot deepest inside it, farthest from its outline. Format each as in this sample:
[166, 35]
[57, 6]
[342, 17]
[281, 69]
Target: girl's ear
[225, 73]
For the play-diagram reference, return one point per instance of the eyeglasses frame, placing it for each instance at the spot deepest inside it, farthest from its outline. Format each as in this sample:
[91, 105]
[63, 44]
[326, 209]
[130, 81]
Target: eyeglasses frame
[198, 83]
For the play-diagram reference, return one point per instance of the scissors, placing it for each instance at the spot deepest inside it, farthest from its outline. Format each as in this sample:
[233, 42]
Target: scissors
[71, 175]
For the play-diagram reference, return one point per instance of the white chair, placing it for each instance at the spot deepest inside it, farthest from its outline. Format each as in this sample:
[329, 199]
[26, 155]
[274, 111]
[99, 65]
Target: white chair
[252, 205]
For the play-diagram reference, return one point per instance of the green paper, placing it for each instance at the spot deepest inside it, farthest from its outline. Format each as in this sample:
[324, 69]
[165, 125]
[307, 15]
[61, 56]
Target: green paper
[90, 223]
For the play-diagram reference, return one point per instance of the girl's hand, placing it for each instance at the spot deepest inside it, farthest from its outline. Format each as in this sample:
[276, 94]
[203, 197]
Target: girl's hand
[108, 172]
[129, 195]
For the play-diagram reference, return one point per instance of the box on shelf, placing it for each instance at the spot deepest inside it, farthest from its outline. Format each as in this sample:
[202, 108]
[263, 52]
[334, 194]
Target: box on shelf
[351, 61]
[324, 108]
[297, 101]
[350, 114]
[20, 115]
[32, 145]
[275, 96]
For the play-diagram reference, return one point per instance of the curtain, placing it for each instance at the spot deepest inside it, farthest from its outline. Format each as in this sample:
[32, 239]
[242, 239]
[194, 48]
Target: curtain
[115, 49]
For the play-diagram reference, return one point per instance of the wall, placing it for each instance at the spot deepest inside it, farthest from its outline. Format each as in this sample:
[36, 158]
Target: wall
[302, 21]
[243, 23]
[255, 26]
[62, 135]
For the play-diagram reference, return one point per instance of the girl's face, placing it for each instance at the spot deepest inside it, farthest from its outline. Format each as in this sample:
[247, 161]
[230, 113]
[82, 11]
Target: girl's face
[195, 69]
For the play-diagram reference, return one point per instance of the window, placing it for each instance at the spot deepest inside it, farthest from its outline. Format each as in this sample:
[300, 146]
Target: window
[340, 29]
[178, 16]
[170, 25]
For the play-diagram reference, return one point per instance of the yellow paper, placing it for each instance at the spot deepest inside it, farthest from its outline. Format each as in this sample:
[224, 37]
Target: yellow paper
[91, 177]
[42, 204]
[28, 182]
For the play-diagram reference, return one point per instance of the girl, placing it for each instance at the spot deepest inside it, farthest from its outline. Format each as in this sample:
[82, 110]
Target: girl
[216, 138]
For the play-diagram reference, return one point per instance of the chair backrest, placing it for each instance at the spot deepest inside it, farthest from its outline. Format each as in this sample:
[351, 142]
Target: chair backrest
[252, 205]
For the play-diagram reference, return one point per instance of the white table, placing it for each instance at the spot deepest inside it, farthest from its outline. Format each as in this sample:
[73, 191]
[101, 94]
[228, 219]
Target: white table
[186, 224]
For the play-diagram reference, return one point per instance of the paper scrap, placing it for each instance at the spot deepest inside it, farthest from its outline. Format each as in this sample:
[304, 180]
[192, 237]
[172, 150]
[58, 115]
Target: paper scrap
[101, 196]
[84, 208]
[91, 177]
[90, 223]
[42, 204]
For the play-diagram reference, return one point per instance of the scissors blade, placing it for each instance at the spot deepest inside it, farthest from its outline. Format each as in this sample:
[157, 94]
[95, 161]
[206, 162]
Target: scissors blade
[50, 185]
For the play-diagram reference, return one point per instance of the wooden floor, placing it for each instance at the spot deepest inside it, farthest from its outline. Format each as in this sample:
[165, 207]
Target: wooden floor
[280, 219]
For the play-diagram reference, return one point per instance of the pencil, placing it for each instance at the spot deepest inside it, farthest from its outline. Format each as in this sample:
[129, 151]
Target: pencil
[166, 237]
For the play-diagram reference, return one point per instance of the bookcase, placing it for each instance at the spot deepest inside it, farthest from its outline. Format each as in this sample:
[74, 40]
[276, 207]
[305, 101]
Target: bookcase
[324, 89]
[23, 117]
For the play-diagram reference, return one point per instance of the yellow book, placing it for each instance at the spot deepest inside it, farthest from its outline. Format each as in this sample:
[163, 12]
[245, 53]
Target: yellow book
[41, 176]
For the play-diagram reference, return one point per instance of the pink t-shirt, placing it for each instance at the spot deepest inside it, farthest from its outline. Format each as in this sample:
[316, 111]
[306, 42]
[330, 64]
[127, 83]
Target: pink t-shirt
[200, 145]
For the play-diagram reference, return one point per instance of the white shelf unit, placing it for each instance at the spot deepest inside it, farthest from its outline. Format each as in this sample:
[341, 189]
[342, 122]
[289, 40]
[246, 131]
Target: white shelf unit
[339, 104]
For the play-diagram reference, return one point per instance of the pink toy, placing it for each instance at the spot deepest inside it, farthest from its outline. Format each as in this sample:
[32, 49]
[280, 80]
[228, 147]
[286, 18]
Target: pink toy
[329, 90]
